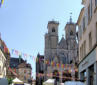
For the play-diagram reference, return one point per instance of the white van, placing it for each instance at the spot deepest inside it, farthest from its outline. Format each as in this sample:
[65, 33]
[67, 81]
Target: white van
[74, 83]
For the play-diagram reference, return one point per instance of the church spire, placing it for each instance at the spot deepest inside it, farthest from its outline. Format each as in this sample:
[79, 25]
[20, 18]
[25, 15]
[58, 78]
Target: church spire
[71, 17]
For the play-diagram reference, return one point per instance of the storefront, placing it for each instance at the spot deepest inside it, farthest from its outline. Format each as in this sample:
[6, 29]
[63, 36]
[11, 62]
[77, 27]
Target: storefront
[88, 68]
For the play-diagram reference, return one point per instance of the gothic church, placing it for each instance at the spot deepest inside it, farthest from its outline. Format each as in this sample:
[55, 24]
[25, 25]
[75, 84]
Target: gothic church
[64, 51]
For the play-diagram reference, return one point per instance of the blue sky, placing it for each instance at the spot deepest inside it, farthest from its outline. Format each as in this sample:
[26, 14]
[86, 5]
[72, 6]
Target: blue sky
[23, 23]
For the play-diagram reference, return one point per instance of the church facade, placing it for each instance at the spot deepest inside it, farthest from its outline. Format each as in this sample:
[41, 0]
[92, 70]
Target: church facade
[60, 52]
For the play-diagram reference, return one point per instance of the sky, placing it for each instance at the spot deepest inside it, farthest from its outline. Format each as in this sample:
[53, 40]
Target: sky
[23, 23]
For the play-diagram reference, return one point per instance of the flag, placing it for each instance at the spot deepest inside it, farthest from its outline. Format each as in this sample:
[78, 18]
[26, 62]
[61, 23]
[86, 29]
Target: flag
[1, 2]
[57, 65]
[36, 59]
[62, 65]
[16, 52]
[5, 49]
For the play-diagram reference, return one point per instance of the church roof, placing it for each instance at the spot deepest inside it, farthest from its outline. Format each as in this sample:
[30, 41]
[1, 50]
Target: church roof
[62, 44]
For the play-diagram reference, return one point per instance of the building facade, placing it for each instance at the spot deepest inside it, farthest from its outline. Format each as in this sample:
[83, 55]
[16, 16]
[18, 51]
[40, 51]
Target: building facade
[87, 24]
[2, 65]
[24, 72]
[6, 53]
[21, 69]
[60, 52]
[13, 68]
[4, 57]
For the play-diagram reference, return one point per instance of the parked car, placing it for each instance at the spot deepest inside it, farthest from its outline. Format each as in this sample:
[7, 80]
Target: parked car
[3, 81]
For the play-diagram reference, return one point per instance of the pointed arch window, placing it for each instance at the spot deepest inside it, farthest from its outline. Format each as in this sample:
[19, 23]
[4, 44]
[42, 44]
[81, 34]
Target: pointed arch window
[53, 29]
[71, 33]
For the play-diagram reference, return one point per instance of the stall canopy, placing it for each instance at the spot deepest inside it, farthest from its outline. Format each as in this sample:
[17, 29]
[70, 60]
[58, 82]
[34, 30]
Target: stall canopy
[49, 82]
[17, 81]
[74, 83]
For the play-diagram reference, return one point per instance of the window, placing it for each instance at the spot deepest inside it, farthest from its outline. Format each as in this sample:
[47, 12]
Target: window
[89, 13]
[95, 2]
[71, 33]
[84, 46]
[80, 32]
[53, 29]
[91, 9]
[96, 31]
[83, 23]
[80, 52]
[90, 41]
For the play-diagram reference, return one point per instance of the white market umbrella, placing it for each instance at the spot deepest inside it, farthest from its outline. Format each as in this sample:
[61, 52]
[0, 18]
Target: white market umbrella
[74, 83]
[49, 82]
[16, 80]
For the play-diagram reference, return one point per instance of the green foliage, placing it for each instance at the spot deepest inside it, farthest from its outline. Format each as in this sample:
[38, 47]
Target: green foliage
[9, 80]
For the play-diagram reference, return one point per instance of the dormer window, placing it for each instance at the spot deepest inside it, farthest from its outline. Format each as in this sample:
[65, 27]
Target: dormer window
[53, 29]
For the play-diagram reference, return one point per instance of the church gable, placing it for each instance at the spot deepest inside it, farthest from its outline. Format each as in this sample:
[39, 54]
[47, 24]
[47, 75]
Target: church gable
[62, 44]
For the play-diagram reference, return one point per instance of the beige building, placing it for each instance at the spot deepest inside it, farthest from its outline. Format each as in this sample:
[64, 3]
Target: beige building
[2, 65]
[6, 53]
[24, 72]
[87, 24]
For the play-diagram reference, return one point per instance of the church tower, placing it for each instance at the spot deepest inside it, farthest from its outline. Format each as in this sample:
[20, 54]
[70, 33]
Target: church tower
[70, 31]
[51, 38]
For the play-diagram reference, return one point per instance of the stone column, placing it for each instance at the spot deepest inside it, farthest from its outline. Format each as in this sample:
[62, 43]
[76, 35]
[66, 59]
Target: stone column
[95, 73]
[87, 77]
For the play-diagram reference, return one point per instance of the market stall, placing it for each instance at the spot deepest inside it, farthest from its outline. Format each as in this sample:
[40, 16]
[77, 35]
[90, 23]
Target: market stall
[16, 81]
[49, 82]
[74, 83]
